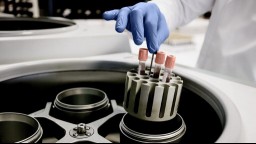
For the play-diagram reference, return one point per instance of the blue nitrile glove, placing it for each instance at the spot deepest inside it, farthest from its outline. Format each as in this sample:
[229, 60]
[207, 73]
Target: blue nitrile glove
[142, 20]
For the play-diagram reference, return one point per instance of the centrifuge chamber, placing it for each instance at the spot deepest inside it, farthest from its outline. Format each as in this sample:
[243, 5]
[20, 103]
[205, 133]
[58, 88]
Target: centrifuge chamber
[209, 114]
[34, 26]
[27, 39]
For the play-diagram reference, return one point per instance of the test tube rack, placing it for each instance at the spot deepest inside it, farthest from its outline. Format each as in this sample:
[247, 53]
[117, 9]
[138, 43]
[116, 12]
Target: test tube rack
[151, 99]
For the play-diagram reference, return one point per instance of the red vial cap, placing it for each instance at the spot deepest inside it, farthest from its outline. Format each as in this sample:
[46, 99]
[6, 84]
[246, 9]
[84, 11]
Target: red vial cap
[170, 61]
[160, 58]
[143, 54]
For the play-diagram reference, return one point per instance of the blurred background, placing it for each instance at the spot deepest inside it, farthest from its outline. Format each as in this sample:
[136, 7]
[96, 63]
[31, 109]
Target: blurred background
[78, 9]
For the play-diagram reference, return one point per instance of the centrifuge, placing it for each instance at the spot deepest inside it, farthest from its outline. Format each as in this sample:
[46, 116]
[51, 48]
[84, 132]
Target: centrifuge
[27, 39]
[45, 98]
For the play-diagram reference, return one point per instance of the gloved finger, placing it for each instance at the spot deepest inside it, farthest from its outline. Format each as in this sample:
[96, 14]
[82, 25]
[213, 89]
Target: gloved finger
[136, 26]
[163, 31]
[151, 24]
[111, 15]
[122, 19]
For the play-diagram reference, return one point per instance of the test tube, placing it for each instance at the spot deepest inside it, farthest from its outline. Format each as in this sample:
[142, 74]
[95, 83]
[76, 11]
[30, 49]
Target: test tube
[169, 65]
[159, 61]
[143, 56]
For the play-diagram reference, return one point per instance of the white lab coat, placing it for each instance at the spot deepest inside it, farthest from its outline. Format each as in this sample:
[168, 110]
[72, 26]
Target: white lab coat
[230, 43]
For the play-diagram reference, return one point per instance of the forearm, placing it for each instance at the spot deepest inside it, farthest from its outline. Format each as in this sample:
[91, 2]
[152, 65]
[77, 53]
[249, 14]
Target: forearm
[181, 12]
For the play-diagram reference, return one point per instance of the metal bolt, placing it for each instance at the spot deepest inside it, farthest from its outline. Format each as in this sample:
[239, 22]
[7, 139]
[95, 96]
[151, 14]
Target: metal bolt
[81, 128]
[81, 131]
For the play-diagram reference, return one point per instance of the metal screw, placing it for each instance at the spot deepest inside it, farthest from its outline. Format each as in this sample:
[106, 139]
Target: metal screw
[81, 128]
[81, 131]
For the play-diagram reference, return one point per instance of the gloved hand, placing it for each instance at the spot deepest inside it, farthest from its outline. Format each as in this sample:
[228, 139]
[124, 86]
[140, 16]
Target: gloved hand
[143, 20]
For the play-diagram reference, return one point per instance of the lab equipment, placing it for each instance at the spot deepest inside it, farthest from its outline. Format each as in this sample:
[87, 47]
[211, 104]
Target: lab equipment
[19, 128]
[169, 65]
[150, 99]
[81, 104]
[143, 56]
[139, 131]
[56, 35]
[142, 20]
[152, 104]
[159, 61]
[219, 121]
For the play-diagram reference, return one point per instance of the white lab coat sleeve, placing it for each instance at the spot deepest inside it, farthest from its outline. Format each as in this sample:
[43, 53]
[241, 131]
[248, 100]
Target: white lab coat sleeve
[181, 12]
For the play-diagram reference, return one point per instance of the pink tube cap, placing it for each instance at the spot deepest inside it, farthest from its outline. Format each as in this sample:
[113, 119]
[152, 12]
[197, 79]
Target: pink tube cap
[143, 54]
[160, 58]
[170, 61]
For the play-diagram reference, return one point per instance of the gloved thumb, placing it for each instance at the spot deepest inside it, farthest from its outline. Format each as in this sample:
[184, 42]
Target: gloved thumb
[111, 15]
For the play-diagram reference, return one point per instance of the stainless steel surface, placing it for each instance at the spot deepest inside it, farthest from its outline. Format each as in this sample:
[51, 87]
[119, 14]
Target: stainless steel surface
[79, 104]
[19, 128]
[81, 128]
[81, 99]
[150, 99]
[81, 131]
[71, 135]
[130, 135]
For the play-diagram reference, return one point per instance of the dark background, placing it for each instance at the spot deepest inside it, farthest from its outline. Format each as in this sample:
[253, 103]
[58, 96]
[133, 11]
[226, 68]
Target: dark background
[78, 9]
[71, 9]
